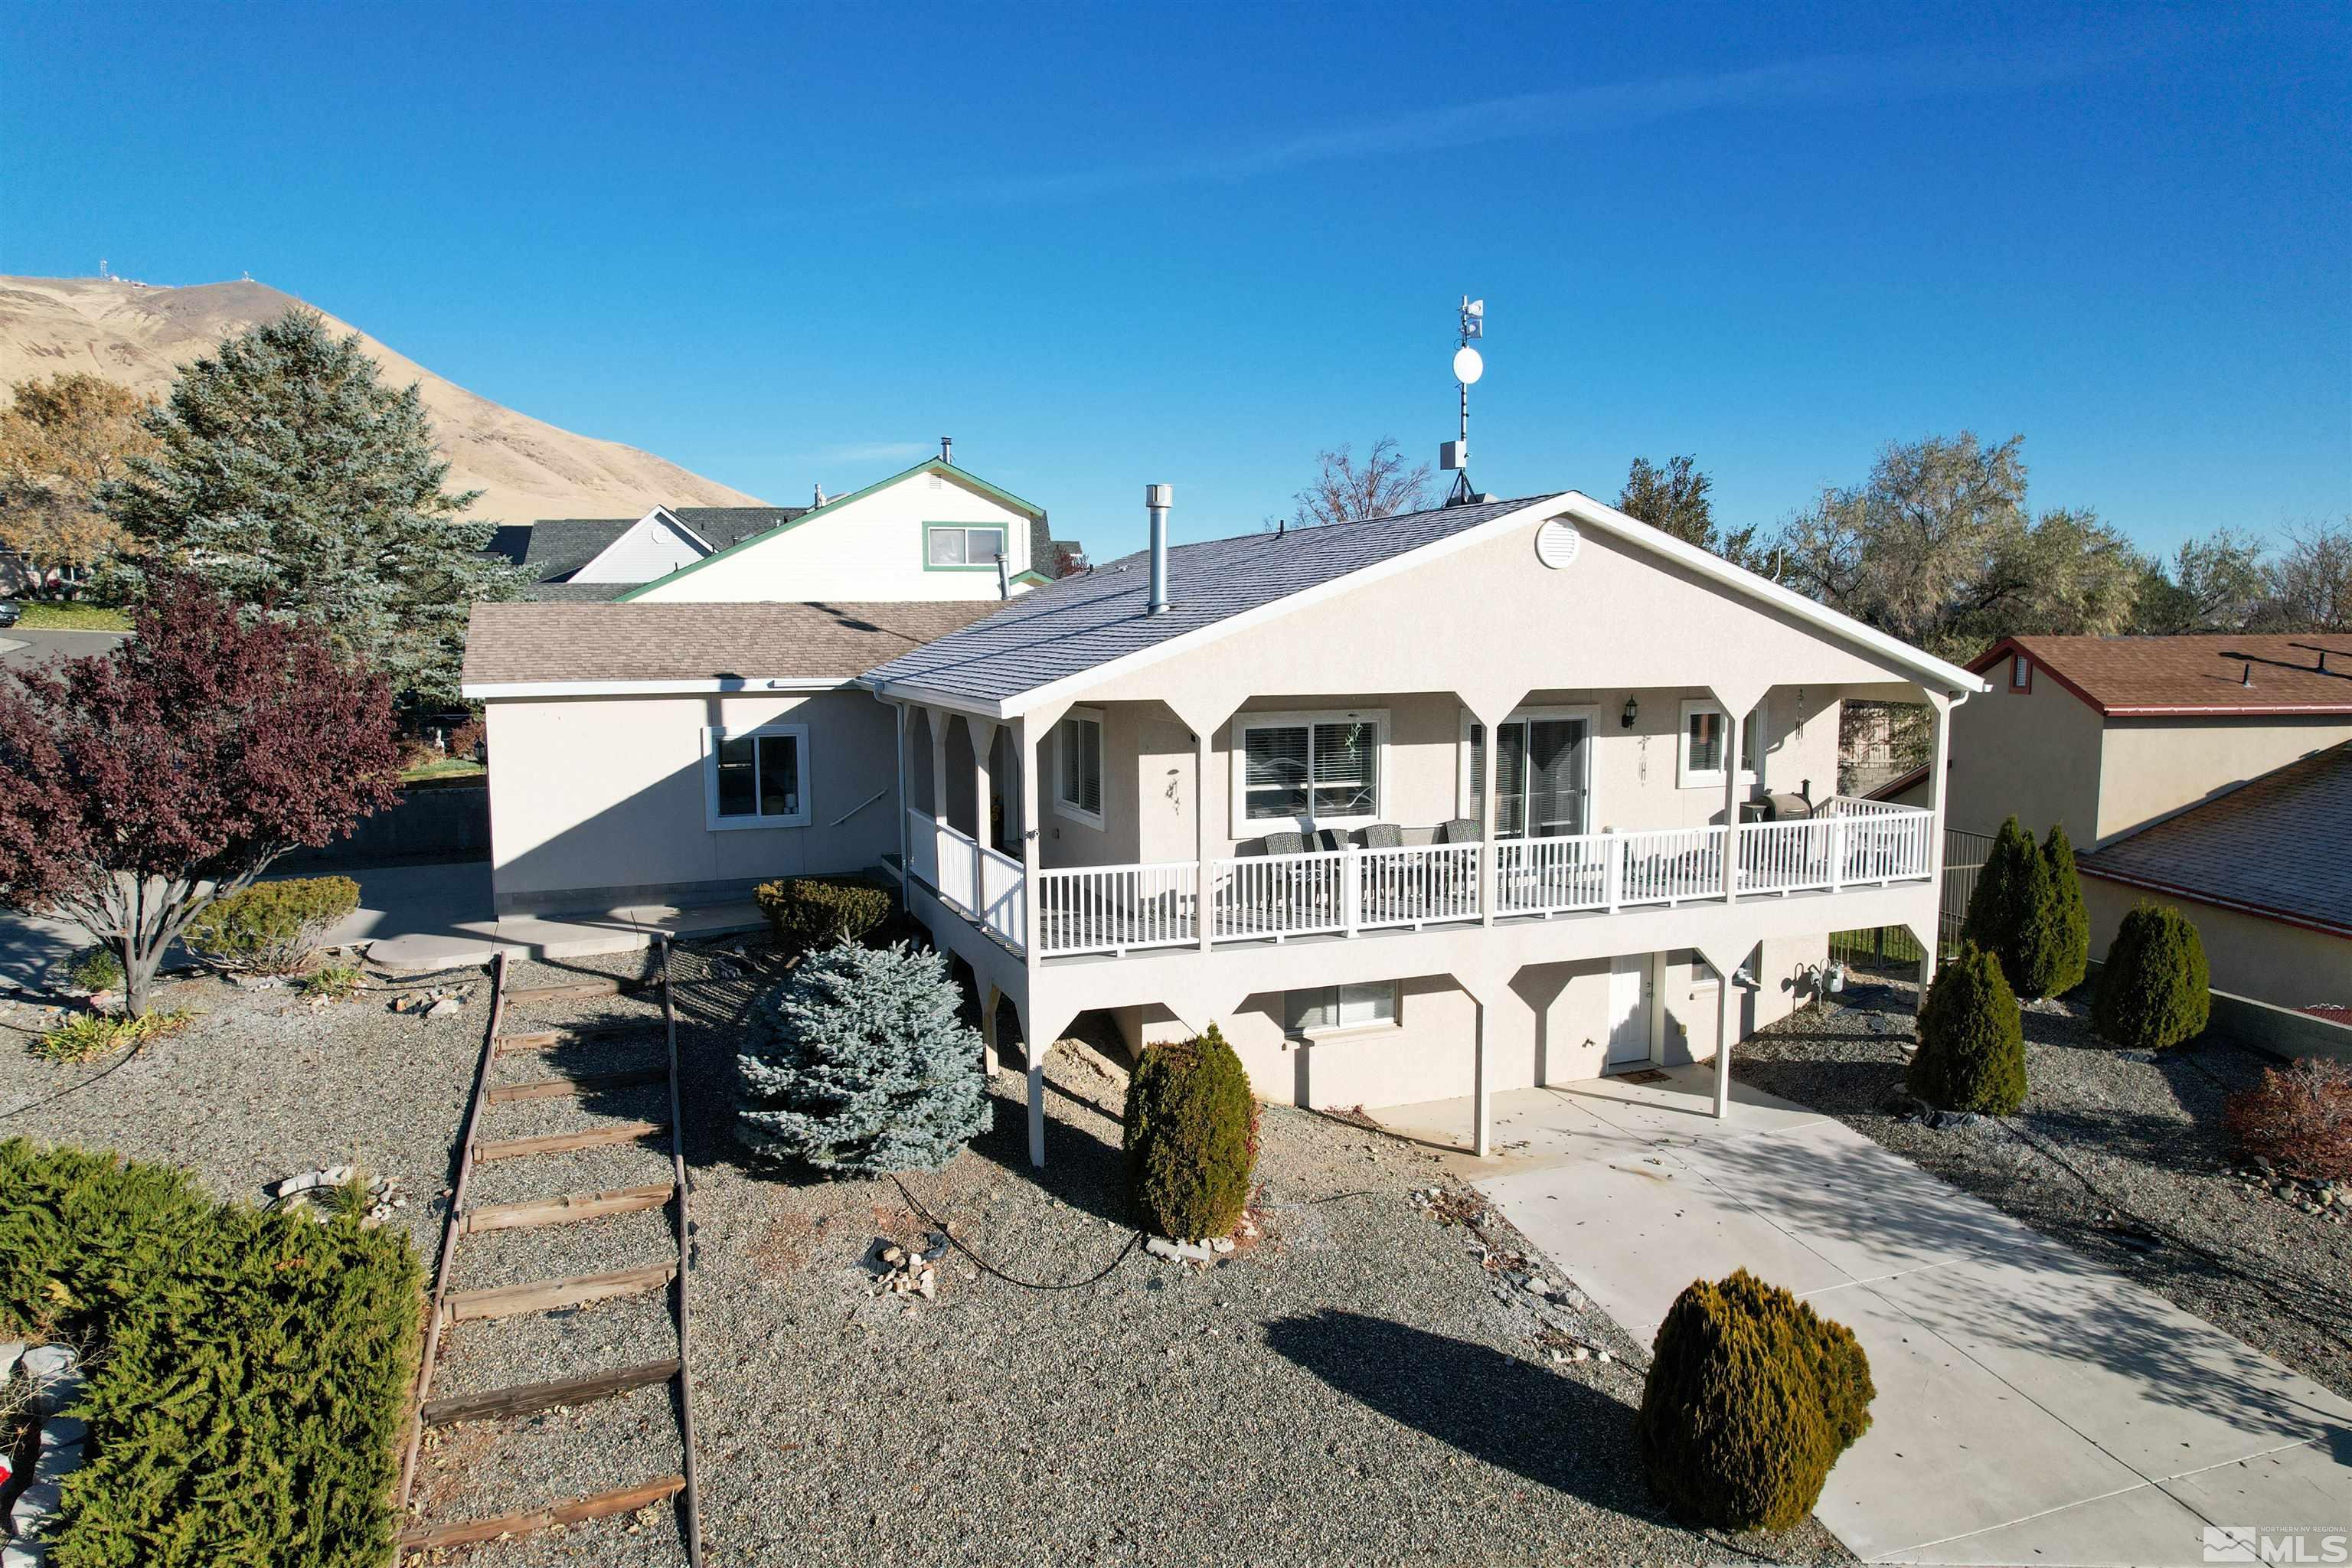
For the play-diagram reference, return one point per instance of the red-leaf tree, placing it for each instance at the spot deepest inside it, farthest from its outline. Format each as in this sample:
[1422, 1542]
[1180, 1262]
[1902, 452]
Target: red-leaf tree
[137, 785]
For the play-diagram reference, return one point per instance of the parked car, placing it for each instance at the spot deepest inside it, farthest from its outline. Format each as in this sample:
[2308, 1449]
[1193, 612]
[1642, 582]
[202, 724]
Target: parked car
[10, 612]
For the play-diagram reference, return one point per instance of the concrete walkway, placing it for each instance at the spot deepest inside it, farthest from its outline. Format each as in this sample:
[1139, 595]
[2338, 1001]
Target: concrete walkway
[2033, 1407]
[422, 918]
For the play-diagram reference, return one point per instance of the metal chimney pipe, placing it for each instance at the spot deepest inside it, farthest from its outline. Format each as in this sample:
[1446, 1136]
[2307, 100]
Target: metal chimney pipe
[1004, 578]
[947, 450]
[1157, 499]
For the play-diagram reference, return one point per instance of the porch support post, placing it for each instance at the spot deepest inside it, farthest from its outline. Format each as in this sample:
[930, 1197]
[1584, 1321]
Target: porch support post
[1940, 719]
[1725, 1011]
[1033, 1046]
[939, 718]
[1482, 1094]
[1204, 887]
[983, 733]
[989, 998]
[1489, 862]
[1734, 725]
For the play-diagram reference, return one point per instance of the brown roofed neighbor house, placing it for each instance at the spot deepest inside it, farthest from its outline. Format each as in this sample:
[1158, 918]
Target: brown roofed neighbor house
[2215, 672]
[2262, 846]
[535, 643]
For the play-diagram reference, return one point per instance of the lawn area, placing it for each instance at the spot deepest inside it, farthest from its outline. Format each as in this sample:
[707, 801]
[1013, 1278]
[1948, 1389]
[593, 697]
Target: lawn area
[445, 768]
[47, 618]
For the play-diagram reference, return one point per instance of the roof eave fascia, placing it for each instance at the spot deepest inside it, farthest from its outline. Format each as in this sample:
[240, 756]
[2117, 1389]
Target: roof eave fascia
[1708, 564]
[2232, 711]
[1068, 686]
[919, 696]
[485, 690]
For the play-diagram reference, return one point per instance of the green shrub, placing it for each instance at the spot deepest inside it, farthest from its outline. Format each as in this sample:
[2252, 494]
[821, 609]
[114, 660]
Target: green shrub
[810, 913]
[96, 969]
[2021, 913]
[1972, 1053]
[2155, 990]
[337, 982]
[2069, 940]
[1751, 1397]
[1191, 1138]
[86, 1036]
[248, 1372]
[1993, 914]
[860, 1063]
[271, 927]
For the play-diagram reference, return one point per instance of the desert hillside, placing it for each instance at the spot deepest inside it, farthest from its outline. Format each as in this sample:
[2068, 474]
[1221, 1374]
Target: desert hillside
[525, 467]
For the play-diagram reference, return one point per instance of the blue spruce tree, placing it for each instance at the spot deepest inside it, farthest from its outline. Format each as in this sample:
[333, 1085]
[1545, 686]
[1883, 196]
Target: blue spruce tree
[859, 1064]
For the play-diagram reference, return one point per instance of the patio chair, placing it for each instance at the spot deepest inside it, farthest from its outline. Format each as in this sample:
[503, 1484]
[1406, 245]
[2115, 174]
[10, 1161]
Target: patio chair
[1461, 830]
[1283, 894]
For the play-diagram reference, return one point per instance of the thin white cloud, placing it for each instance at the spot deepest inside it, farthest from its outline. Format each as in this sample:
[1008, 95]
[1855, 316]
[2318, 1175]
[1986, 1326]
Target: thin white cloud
[1564, 113]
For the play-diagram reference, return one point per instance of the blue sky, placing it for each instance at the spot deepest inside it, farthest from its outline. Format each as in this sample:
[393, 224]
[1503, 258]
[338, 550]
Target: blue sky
[1107, 245]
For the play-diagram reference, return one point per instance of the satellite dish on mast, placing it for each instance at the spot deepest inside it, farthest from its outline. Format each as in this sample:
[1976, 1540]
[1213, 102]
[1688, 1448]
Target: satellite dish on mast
[1467, 365]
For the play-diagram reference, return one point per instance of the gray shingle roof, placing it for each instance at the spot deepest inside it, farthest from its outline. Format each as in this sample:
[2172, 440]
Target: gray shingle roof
[1068, 627]
[2263, 844]
[556, 547]
[529, 643]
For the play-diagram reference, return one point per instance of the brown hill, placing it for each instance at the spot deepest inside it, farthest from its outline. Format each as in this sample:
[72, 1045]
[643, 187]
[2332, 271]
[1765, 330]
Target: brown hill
[525, 467]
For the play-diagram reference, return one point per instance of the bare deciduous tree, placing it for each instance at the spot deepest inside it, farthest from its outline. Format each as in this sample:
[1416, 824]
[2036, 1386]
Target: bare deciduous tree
[2310, 585]
[1344, 491]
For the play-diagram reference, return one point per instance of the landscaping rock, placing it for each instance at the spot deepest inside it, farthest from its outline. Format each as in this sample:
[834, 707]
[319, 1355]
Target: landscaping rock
[444, 1007]
[54, 1370]
[11, 1352]
[1178, 1251]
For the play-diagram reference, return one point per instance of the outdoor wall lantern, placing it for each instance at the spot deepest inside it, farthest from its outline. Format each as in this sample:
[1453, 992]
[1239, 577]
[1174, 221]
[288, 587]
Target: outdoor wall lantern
[1633, 711]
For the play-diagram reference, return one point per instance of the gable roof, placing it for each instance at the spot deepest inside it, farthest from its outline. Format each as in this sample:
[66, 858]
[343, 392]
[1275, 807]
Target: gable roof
[548, 646]
[1085, 624]
[2201, 674]
[943, 469]
[556, 547]
[2253, 848]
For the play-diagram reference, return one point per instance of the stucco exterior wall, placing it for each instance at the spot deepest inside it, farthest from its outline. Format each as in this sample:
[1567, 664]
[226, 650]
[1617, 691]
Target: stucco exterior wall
[597, 803]
[871, 549]
[2155, 767]
[2285, 966]
[2035, 754]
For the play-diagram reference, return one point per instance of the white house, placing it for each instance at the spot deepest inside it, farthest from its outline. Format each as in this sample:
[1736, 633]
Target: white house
[1492, 795]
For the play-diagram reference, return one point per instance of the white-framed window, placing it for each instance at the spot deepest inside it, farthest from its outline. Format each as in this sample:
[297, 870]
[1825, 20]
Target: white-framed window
[1706, 740]
[1327, 1009]
[1543, 773]
[1307, 770]
[1078, 766]
[952, 544]
[757, 778]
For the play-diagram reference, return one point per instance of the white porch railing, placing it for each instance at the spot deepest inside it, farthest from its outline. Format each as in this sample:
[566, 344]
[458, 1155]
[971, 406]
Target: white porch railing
[1114, 909]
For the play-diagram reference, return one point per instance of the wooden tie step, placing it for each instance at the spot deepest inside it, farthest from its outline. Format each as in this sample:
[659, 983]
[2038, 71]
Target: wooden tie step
[525, 1399]
[601, 1505]
[567, 1142]
[549, 1295]
[579, 1084]
[569, 988]
[548, 1040]
[564, 1210]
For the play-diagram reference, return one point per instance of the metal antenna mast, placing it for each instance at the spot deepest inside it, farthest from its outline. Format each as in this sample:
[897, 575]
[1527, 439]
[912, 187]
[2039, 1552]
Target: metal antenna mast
[1467, 367]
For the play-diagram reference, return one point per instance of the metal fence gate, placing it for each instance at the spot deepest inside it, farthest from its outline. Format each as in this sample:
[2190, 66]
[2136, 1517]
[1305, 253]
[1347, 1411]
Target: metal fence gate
[1894, 948]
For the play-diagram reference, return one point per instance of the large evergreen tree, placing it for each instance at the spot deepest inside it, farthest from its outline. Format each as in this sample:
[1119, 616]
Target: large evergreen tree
[290, 478]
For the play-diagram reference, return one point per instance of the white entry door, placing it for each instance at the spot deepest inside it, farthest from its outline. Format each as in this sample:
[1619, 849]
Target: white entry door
[1629, 1009]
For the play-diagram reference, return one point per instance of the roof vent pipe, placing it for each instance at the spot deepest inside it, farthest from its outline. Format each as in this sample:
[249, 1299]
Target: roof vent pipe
[947, 450]
[2248, 678]
[1157, 499]
[1003, 577]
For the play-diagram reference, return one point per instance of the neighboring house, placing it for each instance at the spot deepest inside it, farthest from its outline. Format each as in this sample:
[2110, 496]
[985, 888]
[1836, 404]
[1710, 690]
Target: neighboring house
[931, 532]
[2265, 872]
[1416, 808]
[2115, 736]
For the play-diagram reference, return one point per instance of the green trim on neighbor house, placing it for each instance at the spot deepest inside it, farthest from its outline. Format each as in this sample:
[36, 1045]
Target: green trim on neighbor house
[923, 543]
[930, 466]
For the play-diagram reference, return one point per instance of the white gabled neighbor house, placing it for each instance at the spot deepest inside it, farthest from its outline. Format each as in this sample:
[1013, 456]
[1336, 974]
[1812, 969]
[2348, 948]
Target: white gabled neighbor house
[1430, 805]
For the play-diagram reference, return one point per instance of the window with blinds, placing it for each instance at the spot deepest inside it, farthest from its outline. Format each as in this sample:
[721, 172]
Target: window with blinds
[1328, 1007]
[1077, 774]
[1322, 770]
[954, 545]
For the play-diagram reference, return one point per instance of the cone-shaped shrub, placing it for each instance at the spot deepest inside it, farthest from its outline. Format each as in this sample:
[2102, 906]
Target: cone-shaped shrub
[859, 1063]
[1994, 911]
[2019, 913]
[1192, 1137]
[1971, 1052]
[2069, 955]
[2155, 990]
[1750, 1399]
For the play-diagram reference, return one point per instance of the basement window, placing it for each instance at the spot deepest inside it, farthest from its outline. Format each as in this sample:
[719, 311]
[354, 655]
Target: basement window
[1328, 1009]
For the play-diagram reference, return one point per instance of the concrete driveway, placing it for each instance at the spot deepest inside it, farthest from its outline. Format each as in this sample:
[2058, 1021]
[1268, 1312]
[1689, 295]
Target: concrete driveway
[28, 648]
[2033, 1407]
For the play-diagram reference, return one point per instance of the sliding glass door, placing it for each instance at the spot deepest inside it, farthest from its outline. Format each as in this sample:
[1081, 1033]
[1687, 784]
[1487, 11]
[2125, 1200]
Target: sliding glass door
[1542, 775]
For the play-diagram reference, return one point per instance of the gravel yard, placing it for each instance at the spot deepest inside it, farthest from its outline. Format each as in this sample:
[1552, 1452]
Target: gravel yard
[2119, 1156]
[1371, 1384]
